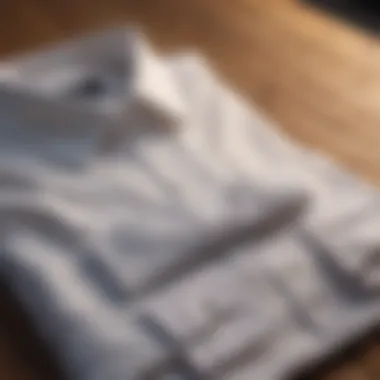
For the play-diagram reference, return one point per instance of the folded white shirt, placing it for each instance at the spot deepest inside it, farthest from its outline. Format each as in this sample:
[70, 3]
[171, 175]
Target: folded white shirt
[153, 224]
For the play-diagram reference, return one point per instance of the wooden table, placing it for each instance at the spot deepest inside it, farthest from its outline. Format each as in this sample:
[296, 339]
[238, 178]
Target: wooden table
[319, 78]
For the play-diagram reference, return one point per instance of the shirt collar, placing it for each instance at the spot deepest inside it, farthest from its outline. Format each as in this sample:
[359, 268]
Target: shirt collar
[66, 100]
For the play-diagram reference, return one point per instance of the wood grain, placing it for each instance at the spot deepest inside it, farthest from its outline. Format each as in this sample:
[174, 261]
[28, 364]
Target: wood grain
[318, 77]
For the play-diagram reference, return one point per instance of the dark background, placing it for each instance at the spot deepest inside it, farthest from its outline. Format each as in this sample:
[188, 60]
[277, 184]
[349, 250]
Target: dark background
[365, 13]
